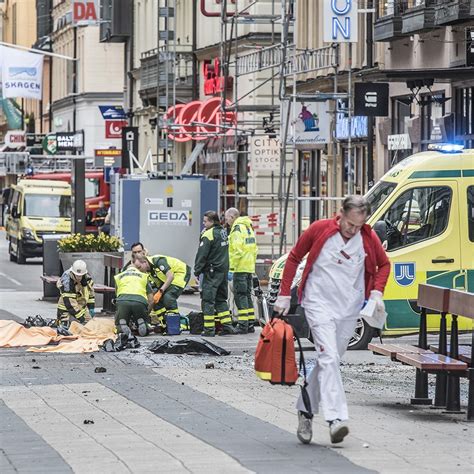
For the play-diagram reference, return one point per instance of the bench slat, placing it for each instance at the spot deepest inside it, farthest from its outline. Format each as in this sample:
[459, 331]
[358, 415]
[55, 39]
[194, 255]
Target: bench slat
[391, 350]
[464, 352]
[431, 361]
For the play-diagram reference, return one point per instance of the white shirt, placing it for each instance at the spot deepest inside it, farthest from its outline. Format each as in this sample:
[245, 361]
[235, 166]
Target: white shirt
[336, 283]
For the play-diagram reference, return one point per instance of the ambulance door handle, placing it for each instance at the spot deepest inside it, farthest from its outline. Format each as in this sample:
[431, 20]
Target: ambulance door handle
[442, 260]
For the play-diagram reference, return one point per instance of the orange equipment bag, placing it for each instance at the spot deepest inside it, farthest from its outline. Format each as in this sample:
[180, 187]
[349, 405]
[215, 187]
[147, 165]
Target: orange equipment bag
[275, 359]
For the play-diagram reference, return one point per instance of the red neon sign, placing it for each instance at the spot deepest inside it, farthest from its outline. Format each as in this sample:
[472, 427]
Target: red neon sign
[199, 120]
[214, 82]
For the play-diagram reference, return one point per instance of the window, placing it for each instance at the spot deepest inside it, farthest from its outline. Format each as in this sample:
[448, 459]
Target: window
[432, 109]
[401, 109]
[377, 195]
[470, 212]
[418, 214]
[92, 187]
[464, 116]
[45, 205]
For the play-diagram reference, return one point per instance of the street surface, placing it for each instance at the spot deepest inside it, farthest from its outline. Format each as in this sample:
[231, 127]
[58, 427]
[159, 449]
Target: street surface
[166, 413]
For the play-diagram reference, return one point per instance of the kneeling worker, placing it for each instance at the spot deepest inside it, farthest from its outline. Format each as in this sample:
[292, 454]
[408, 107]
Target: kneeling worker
[212, 261]
[77, 298]
[133, 297]
[171, 276]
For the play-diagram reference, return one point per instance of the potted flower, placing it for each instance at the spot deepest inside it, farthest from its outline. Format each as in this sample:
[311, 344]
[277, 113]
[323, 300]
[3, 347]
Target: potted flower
[90, 248]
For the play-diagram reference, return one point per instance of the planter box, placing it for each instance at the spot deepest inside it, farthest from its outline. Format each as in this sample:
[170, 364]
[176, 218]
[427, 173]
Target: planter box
[95, 266]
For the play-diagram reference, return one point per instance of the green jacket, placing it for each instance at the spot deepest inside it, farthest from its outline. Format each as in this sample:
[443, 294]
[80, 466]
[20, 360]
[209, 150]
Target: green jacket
[242, 246]
[160, 264]
[213, 251]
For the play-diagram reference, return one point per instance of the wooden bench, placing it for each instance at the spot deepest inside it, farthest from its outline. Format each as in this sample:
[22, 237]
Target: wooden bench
[98, 288]
[391, 350]
[464, 352]
[431, 362]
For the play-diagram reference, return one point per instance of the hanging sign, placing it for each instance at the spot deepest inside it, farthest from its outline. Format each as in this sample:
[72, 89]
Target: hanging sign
[371, 99]
[340, 21]
[85, 12]
[265, 154]
[309, 125]
[22, 73]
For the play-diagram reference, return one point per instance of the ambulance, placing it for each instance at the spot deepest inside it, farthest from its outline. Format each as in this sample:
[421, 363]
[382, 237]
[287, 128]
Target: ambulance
[423, 211]
[35, 208]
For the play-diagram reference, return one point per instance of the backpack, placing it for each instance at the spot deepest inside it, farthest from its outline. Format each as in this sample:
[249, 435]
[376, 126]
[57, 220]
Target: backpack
[196, 322]
[275, 359]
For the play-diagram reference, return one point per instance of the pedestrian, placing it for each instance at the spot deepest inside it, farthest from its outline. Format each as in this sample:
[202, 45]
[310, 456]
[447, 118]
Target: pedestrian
[100, 214]
[242, 256]
[346, 264]
[134, 295]
[170, 275]
[136, 248]
[76, 295]
[212, 262]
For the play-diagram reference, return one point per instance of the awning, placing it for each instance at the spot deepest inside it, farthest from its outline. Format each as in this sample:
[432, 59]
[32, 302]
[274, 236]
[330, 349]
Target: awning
[402, 75]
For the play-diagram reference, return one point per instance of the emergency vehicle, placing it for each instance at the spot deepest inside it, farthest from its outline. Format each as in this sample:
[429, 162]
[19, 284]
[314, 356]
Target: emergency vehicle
[36, 207]
[96, 189]
[423, 209]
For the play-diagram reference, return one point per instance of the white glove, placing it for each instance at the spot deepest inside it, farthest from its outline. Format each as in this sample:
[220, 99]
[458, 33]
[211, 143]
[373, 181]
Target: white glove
[282, 305]
[377, 296]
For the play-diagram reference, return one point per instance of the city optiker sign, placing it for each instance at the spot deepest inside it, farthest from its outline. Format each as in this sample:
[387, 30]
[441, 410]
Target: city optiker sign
[340, 21]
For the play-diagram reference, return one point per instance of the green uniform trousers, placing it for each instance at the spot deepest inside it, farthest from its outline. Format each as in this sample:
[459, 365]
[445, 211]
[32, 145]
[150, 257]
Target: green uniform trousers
[243, 284]
[128, 310]
[214, 299]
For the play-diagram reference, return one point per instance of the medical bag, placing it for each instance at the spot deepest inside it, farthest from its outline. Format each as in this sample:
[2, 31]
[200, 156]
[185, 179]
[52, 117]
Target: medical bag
[172, 324]
[275, 359]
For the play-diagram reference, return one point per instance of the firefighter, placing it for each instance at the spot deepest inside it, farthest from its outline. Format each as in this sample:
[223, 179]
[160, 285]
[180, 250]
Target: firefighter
[212, 262]
[134, 294]
[170, 275]
[77, 299]
[242, 256]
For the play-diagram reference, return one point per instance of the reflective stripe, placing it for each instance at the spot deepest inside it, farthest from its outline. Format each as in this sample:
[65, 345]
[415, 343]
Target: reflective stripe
[264, 375]
[69, 295]
[157, 312]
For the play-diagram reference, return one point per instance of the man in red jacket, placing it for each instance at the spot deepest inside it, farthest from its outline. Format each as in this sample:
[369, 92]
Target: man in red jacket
[346, 265]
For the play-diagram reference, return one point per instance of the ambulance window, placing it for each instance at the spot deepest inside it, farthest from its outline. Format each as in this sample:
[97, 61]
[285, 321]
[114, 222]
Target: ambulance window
[470, 210]
[379, 193]
[418, 214]
[92, 187]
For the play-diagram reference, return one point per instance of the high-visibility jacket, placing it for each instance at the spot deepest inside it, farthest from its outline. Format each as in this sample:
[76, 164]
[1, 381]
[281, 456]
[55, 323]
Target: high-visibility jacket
[74, 297]
[242, 246]
[132, 285]
[213, 251]
[160, 265]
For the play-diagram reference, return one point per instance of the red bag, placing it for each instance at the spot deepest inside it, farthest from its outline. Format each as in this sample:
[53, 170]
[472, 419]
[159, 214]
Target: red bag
[275, 359]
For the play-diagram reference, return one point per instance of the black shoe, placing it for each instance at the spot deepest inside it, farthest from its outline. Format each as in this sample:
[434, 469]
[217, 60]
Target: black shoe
[208, 333]
[142, 328]
[226, 330]
[251, 329]
[242, 330]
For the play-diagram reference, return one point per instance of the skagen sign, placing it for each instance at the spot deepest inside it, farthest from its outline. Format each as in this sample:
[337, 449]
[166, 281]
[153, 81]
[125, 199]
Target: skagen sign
[340, 21]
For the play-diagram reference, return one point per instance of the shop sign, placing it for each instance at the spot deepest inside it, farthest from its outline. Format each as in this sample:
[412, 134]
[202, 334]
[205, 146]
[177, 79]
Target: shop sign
[399, 142]
[340, 21]
[50, 144]
[69, 141]
[214, 82]
[113, 128]
[110, 157]
[371, 99]
[199, 120]
[15, 139]
[265, 154]
[112, 112]
[309, 125]
[85, 12]
[167, 217]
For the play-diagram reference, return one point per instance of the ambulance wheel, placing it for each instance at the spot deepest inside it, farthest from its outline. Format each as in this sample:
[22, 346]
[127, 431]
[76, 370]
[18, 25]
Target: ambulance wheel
[20, 256]
[363, 334]
[10, 252]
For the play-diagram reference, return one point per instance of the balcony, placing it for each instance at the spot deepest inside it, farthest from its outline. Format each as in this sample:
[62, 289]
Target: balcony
[179, 76]
[452, 12]
[388, 25]
[418, 16]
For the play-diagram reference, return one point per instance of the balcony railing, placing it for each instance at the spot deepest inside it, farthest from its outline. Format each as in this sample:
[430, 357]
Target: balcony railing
[418, 16]
[177, 73]
[388, 25]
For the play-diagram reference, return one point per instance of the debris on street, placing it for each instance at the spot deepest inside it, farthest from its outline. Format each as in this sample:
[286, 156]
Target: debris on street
[186, 346]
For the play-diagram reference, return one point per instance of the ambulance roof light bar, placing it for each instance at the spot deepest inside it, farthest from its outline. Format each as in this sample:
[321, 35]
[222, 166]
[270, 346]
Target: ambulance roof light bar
[446, 147]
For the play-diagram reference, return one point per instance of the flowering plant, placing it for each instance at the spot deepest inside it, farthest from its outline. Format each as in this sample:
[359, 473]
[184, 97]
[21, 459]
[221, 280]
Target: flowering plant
[89, 243]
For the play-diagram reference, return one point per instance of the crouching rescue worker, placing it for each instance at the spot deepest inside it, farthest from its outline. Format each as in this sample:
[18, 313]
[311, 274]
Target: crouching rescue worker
[76, 295]
[170, 275]
[242, 256]
[346, 264]
[134, 294]
[212, 262]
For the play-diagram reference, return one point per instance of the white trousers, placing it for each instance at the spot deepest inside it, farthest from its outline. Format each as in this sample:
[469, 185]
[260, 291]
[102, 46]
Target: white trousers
[331, 337]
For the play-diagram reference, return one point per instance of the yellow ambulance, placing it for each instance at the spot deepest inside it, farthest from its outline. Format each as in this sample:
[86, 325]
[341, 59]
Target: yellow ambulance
[423, 209]
[36, 207]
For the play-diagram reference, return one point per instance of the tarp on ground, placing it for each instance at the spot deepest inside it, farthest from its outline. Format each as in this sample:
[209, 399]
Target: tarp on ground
[84, 339]
[13, 334]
